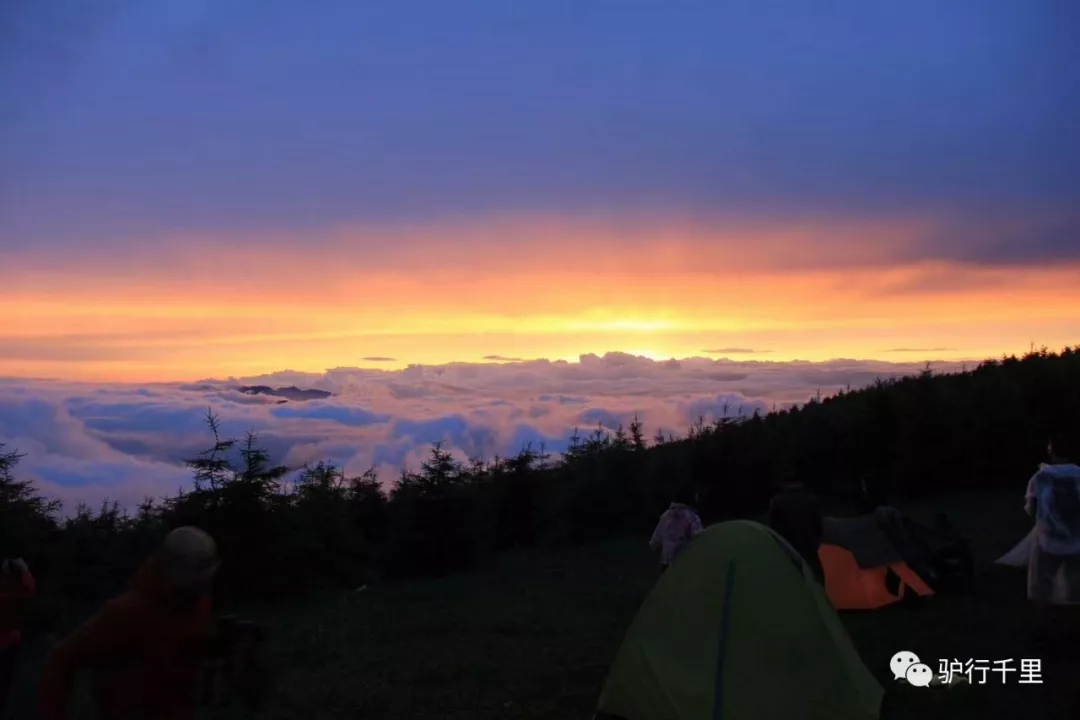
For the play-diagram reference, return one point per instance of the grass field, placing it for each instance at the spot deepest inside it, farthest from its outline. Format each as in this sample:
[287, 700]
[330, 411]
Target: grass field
[532, 637]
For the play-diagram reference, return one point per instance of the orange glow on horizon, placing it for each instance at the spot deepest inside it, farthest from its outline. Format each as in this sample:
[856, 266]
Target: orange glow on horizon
[676, 293]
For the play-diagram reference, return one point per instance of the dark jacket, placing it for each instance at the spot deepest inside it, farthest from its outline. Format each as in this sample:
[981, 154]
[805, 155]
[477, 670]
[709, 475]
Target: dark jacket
[795, 514]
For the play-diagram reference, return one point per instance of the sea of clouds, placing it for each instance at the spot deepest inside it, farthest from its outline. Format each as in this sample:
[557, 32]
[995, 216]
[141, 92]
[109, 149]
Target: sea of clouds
[88, 442]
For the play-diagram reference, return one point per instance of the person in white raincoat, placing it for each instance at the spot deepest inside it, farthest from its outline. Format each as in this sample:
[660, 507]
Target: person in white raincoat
[1021, 554]
[1053, 500]
[678, 525]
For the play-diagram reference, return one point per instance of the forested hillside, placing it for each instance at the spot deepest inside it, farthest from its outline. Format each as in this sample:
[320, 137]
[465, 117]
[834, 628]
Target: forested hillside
[284, 531]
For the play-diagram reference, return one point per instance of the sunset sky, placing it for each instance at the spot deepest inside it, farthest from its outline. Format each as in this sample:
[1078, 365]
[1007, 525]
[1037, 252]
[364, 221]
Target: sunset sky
[197, 188]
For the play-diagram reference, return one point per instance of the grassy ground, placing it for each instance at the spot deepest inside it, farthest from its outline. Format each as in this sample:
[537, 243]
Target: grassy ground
[532, 637]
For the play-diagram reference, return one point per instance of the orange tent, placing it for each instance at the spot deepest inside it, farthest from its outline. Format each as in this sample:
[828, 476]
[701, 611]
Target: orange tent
[864, 567]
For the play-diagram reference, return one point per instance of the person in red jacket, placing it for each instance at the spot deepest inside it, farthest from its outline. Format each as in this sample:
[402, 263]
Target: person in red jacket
[144, 649]
[16, 583]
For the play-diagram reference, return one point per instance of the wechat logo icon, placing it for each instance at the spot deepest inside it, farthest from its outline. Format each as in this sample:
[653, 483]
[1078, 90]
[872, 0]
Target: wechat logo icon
[905, 665]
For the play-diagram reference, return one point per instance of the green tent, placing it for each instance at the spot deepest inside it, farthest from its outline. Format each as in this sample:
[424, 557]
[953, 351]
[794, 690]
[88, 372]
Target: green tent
[737, 629]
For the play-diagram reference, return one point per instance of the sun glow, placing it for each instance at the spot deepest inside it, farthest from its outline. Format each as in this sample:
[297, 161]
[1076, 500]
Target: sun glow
[680, 294]
[650, 354]
[623, 325]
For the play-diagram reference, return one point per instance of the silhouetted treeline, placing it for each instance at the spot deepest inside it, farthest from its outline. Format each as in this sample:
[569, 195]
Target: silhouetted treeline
[284, 532]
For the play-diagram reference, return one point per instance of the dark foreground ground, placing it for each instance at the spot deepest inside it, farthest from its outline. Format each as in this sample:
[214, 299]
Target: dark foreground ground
[532, 637]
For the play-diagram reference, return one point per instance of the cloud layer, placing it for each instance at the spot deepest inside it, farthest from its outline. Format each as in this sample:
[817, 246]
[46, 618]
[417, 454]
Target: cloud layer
[86, 442]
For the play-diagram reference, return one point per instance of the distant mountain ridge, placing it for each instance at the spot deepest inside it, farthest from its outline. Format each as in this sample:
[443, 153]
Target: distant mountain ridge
[289, 393]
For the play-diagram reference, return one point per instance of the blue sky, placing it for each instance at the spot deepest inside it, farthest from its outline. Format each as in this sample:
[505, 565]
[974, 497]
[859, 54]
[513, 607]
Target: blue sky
[126, 120]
